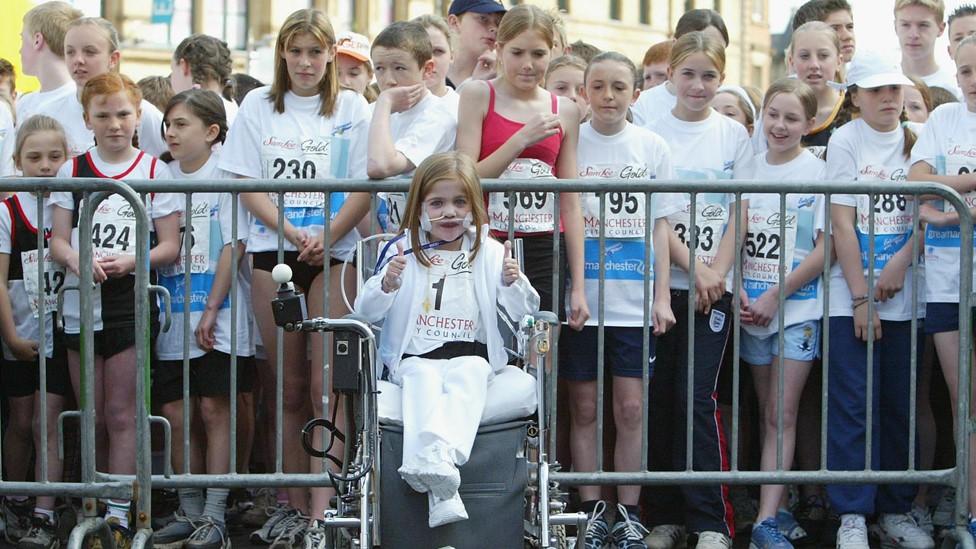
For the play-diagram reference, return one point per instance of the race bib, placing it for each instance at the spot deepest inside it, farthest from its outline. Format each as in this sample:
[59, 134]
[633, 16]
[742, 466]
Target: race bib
[201, 227]
[952, 164]
[113, 228]
[892, 226]
[533, 211]
[48, 287]
[623, 215]
[396, 204]
[764, 248]
[297, 158]
[449, 311]
[710, 221]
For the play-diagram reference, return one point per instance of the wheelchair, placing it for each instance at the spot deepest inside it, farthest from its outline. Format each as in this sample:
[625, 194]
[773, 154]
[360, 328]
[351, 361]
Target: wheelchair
[505, 485]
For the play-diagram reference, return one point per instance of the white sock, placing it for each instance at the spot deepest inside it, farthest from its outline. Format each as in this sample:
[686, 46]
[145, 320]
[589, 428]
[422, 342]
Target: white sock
[216, 506]
[119, 510]
[46, 514]
[191, 501]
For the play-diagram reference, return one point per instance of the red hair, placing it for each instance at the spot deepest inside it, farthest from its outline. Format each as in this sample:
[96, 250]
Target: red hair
[108, 84]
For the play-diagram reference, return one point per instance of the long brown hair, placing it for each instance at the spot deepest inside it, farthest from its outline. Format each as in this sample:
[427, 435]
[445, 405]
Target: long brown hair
[438, 167]
[315, 23]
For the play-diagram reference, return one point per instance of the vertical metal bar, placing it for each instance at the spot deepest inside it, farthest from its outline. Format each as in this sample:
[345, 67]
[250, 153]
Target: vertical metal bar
[557, 290]
[869, 370]
[736, 323]
[42, 252]
[87, 348]
[234, 307]
[280, 352]
[142, 310]
[646, 330]
[326, 312]
[187, 330]
[600, 333]
[913, 381]
[963, 416]
[780, 331]
[825, 324]
[690, 393]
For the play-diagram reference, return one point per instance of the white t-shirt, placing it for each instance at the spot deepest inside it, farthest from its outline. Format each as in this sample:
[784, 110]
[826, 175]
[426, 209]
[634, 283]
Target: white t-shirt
[50, 103]
[80, 138]
[24, 301]
[427, 128]
[8, 137]
[299, 144]
[763, 248]
[857, 152]
[114, 225]
[947, 144]
[230, 109]
[945, 78]
[451, 100]
[212, 225]
[652, 104]
[634, 153]
[715, 148]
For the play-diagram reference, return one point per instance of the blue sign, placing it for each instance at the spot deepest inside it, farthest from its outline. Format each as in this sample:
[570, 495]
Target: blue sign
[162, 12]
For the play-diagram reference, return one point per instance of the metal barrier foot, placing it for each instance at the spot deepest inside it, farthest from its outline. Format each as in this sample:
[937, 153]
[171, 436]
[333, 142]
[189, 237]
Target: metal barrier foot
[142, 539]
[96, 526]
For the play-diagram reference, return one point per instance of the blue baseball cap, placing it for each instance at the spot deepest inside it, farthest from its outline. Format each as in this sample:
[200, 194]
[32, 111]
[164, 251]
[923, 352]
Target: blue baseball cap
[478, 6]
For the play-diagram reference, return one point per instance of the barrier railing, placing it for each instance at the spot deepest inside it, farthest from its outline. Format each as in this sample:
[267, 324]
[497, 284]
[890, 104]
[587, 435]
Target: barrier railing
[95, 484]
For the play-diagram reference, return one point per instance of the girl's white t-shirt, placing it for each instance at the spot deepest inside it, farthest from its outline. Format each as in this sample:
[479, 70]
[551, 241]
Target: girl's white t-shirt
[947, 143]
[299, 144]
[114, 211]
[25, 317]
[635, 154]
[804, 218]
[8, 137]
[857, 152]
[712, 149]
[212, 226]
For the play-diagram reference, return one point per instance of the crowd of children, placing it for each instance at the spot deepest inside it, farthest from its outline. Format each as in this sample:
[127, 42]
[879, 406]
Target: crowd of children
[496, 92]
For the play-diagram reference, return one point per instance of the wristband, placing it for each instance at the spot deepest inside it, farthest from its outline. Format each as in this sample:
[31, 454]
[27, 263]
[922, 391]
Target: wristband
[860, 297]
[858, 304]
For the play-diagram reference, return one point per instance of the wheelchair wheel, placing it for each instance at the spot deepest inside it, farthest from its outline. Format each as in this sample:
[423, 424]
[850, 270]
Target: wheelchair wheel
[557, 539]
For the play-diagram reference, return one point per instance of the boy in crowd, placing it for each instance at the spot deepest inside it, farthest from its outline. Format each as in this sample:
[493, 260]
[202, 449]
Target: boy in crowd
[962, 23]
[655, 65]
[409, 123]
[475, 23]
[918, 24]
[837, 14]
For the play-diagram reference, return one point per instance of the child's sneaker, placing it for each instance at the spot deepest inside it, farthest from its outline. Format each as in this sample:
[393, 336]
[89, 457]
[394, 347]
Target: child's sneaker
[667, 536]
[899, 531]
[853, 533]
[713, 540]
[175, 533]
[767, 535]
[628, 532]
[923, 518]
[597, 528]
[123, 536]
[210, 534]
[273, 526]
[790, 528]
[42, 535]
[15, 518]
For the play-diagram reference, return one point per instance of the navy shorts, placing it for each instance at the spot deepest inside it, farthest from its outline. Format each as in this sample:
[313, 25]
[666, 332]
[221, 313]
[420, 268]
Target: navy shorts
[623, 349]
[944, 317]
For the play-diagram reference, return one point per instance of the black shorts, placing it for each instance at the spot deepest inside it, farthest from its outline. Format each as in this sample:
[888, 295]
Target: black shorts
[23, 378]
[112, 341]
[623, 349]
[302, 273]
[209, 377]
[538, 268]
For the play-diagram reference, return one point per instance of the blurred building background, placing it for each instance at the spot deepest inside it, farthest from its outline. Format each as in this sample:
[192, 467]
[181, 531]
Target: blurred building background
[150, 29]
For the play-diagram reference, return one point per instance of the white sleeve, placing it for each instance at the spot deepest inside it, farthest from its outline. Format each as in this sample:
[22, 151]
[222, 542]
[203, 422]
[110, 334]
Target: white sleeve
[639, 110]
[743, 167]
[240, 153]
[6, 243]
[8, 136]
[63, 200]
[226, 217]
[151, 130]
[431, 133]
[164, 204]
[358, 138]
[841, 166]
[372, 303]
[928, 145]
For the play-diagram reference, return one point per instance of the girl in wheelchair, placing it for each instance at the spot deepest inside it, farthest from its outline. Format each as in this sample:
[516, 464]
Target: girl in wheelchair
[439, 287]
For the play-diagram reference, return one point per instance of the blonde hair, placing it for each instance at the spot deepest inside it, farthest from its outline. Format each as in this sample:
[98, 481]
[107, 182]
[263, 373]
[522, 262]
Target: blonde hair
[824, 29]
[522, 18]
[315, 23]
[51, 20]
[800, 89]
[698, 42]
[936, 6]
[439, 167]
[428, 21]
[559, 27]
[565, 61]
[37, 124]
[923, 90]
[108, 30]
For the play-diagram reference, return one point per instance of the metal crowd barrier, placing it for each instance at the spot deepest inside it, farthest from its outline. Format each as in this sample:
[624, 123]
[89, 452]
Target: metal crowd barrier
[94, 484]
